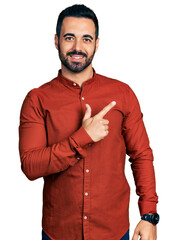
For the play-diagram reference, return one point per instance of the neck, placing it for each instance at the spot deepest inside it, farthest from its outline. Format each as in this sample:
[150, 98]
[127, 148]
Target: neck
[80, 77]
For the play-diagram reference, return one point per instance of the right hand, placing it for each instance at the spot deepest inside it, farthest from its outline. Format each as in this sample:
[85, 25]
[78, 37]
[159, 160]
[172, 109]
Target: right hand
[97, 127]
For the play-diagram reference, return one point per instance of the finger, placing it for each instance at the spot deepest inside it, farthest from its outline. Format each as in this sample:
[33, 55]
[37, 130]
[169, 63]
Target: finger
[106, 127]
[135, 236]
[106, 109]
[106, 132]
[104, 121]
[87, 112]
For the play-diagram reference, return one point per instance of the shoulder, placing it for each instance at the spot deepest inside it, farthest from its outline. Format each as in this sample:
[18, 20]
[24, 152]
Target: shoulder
[42, 91]
[120, 89]
[119, 85]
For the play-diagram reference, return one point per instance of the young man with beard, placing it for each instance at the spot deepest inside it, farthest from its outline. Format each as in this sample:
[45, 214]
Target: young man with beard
[75, 132]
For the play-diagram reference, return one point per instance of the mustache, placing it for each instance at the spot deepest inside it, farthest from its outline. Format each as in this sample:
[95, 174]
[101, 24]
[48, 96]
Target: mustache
[76, 53]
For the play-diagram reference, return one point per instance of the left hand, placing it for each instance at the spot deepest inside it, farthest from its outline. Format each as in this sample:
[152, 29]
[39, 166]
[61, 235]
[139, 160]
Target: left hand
[146, 230]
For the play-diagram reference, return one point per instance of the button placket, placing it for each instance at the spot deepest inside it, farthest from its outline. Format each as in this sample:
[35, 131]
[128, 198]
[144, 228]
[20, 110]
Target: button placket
[86, 196]
[86, 189]
[83, 101]
[83, 97]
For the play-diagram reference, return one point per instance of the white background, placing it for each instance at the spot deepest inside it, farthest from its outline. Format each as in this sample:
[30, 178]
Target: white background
[139, 46]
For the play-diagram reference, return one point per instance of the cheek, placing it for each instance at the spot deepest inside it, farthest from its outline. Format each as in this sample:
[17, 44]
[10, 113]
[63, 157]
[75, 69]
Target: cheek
[65, 47]
[90, 49]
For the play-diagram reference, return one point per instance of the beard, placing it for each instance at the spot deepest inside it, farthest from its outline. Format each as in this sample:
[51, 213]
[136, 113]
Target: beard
[76, 66]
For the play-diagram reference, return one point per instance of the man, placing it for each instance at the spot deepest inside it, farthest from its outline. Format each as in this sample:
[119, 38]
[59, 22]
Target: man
[75, 132]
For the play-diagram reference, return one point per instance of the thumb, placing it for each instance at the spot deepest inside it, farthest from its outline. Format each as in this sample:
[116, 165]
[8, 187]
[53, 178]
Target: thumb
[87, 112]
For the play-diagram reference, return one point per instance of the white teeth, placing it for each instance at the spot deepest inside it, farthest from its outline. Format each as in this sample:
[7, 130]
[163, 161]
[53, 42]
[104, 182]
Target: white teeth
[76, 57]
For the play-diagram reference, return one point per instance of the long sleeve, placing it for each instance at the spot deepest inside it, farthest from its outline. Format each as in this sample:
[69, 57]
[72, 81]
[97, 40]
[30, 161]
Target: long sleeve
[38, 159]
[141, 156]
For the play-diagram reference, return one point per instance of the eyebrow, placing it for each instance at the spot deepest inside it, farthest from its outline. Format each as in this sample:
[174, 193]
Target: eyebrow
[89, 36]
[69, 34]
[73, 35]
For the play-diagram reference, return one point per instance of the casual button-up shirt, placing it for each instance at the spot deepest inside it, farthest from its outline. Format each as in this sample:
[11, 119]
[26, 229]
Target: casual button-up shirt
[86, 193]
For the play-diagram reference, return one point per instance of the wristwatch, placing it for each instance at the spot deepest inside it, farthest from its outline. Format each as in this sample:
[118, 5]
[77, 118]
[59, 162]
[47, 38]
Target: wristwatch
[152, 218]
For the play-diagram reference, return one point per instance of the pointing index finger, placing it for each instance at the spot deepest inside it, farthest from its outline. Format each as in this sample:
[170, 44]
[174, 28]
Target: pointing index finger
[106, 109]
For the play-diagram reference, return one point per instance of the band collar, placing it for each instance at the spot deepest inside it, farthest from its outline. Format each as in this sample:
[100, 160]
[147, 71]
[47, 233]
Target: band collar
[70, 83]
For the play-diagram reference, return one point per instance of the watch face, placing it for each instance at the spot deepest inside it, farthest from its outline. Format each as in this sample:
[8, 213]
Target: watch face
[155, 218]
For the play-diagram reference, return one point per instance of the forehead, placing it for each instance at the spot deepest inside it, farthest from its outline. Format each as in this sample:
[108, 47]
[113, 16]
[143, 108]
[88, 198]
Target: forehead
[78, 25]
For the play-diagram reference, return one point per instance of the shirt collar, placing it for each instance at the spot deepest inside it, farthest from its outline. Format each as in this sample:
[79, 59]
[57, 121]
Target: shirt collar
[73, 84]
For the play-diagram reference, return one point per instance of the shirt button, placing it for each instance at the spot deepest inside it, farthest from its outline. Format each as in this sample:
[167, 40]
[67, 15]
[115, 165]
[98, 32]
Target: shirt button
[74, 84]
[89, 144]
[85, 217]
[78, 158]
[87, 170]
[86, 194]
[83, 98]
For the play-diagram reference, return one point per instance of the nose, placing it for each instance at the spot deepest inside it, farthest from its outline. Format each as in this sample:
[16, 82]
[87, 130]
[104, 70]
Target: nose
[77, 45]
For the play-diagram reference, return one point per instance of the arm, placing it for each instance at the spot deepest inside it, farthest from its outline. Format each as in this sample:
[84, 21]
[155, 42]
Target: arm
[141, 157]
[38, 159]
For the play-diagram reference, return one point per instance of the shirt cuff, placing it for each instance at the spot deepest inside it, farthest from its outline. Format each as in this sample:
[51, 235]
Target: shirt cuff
[147, 207]
[81, 137]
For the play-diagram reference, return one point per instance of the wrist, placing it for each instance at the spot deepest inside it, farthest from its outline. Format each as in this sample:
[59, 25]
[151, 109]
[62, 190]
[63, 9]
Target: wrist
[151, 217]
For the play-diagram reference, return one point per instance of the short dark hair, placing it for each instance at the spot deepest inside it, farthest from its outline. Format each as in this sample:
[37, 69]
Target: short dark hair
[77, 10]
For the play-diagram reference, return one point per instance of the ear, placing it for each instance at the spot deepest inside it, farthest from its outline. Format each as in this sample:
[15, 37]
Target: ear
[56, 41]
[97, 43]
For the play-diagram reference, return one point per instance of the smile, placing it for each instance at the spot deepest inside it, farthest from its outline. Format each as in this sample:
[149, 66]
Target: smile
[76, 57]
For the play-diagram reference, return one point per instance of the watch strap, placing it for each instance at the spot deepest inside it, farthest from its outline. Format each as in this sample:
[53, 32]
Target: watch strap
[152, 218]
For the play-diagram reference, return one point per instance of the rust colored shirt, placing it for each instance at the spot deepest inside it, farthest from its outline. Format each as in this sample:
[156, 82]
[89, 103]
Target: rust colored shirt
[85, 189]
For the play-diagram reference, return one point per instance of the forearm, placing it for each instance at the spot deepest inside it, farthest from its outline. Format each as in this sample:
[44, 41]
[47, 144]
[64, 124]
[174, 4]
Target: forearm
[44, 161]
[48, 160]
[144, 176]
[141, 158]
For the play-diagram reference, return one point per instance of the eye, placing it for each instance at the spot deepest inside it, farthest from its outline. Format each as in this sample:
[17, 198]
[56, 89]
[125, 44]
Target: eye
[87, 40]
[69, 38]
